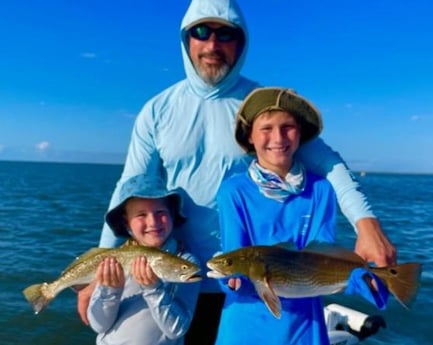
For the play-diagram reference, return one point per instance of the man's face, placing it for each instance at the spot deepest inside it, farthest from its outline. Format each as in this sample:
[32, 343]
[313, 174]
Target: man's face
[213, 53]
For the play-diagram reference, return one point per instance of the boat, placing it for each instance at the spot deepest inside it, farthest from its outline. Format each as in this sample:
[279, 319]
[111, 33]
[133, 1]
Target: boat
[347, 326]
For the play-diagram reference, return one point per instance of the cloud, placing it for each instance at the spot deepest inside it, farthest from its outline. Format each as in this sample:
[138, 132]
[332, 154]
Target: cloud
[42, 146]
[96, 57]
[88, 55]
[415, 118]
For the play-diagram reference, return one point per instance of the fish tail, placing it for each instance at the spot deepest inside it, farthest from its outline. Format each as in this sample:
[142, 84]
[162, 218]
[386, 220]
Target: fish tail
[402, 281]
[39, 296]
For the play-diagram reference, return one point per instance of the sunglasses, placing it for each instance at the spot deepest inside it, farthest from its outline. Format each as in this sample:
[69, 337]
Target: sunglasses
[202, 32]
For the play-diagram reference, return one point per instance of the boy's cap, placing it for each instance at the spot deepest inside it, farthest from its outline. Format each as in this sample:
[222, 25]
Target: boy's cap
[142, 186]
[261, 100]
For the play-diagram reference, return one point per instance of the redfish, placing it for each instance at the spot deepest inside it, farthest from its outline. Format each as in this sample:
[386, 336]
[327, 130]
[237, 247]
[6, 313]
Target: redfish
[317, 270]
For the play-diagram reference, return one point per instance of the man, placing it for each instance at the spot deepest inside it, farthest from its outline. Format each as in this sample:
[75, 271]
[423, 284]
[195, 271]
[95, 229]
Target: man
[185, 134]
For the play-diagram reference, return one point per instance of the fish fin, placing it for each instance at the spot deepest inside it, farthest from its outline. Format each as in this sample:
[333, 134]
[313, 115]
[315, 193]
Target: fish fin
[38, 297]
[402, 281]
[287, 245]
[333, 250]
[269, 297]
[92, 252]
[86, 255]
[325, 248]
[130, 242]
[78, 287]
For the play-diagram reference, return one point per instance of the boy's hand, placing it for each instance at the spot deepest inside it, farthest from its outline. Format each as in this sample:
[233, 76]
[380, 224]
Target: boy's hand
[234, 283]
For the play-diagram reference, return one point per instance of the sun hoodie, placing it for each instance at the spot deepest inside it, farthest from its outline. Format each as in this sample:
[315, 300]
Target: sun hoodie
[186, 135]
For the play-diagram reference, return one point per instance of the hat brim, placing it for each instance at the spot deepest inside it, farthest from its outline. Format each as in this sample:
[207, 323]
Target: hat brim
[262, 100]
[115, 217]
[211, 20]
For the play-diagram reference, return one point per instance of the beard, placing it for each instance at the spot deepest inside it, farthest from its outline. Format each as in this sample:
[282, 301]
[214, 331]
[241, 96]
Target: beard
[212, 74]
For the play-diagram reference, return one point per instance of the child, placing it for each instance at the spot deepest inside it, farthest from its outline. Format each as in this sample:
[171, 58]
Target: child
[276, 200]
[142, 309]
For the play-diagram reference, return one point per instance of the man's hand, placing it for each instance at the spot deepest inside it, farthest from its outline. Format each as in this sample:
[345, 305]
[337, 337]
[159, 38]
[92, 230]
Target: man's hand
[83, 300]
[373, 245]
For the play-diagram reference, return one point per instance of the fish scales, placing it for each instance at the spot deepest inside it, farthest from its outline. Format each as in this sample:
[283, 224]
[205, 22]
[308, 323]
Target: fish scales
[166, 266]
[319, 269]
[299, 274]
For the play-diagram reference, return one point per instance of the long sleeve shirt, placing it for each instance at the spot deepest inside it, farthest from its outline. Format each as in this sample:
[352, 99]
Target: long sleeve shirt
[249, 218]
[185, 134]
[140, 315]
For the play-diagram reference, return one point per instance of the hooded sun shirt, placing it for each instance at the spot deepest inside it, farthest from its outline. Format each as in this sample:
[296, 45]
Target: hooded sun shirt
[186, 135]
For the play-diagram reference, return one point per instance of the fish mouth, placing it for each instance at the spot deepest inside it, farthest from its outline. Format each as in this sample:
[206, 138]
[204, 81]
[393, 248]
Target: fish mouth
[214, 273]
[191, 278]
[194, 278]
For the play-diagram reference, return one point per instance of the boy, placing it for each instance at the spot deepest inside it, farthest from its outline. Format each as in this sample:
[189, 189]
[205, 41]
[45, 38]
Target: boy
[276, 200]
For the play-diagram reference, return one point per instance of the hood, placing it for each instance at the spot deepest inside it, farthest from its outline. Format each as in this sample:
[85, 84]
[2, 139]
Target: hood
[223, 11]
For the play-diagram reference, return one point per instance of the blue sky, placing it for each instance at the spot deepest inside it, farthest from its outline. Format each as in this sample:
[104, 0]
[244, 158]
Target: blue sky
[74, 73]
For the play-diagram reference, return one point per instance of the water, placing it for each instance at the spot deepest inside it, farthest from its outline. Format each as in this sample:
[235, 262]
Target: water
[49, 213]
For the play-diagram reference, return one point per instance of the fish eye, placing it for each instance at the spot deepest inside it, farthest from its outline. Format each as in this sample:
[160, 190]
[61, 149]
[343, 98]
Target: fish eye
[184, 267]
[228, 262]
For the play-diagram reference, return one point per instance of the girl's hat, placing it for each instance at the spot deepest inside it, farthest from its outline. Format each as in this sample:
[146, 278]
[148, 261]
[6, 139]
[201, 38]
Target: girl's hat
[142, 186]
[271, 98]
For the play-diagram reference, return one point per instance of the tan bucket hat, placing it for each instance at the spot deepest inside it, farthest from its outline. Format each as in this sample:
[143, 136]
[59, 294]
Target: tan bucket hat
[265, 99]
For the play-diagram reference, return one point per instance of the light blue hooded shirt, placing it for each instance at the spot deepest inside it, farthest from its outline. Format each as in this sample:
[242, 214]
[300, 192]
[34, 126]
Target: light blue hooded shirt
[186, 135]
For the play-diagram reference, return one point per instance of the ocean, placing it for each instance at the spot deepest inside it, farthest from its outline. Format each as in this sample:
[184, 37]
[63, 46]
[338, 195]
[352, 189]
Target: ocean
[52, 212]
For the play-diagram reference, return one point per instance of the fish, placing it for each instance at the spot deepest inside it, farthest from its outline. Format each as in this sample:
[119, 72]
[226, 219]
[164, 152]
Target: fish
[168, 267]
[319, 269]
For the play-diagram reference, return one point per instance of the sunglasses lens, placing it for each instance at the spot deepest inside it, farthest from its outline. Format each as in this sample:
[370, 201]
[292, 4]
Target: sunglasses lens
[226, 34]
[223, 34]
[200, 32]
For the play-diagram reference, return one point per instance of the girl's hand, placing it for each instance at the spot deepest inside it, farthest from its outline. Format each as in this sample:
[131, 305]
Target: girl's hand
[143, 273]
[110, 273]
